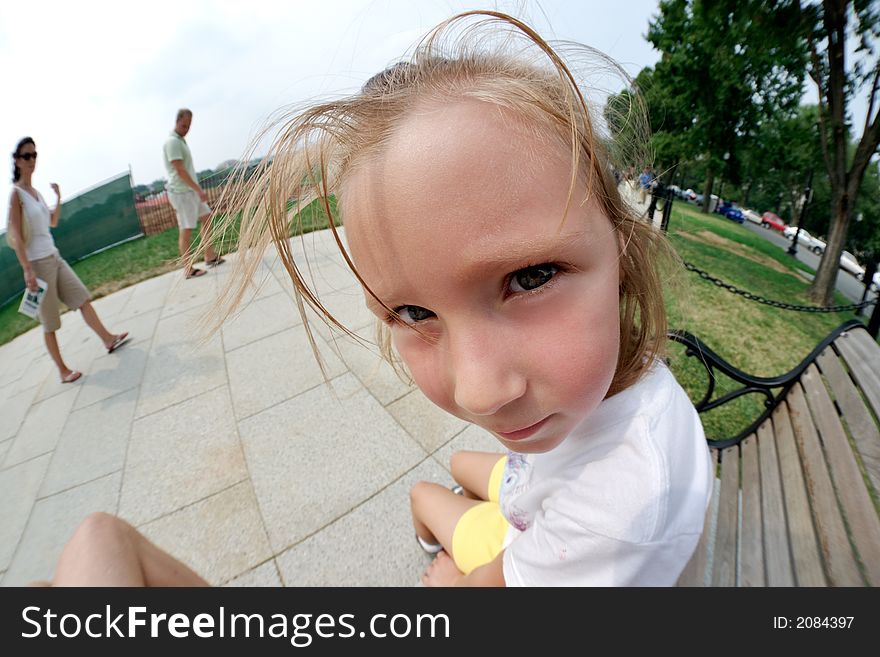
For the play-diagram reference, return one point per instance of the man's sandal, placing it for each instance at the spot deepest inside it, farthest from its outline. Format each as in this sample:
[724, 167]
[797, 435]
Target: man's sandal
[216, 261]
[118, 341]
[195, 273]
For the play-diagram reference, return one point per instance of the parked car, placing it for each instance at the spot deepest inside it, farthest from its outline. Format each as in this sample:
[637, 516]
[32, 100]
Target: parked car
[752, 216]
[849, 264]
[733, 213]
[772, 222]
[806, 240]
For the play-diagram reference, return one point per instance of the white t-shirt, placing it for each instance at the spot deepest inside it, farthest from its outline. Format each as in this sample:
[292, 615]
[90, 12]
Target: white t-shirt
[620, 502]
[36, 213]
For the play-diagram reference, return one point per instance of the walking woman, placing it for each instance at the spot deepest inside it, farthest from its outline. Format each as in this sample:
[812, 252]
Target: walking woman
[28, 227]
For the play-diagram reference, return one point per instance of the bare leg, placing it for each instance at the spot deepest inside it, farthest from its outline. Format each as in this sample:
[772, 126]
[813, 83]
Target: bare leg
[472, 470]
[184, 237]
[107, 551]
[436, 511]
[90, 316]
[206, 237]
[54, 351]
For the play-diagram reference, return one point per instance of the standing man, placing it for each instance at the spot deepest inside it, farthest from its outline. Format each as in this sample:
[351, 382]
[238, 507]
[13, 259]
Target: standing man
[187, 198]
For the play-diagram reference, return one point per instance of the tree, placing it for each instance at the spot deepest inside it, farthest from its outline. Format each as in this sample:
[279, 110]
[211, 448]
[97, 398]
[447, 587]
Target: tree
[827, 27]
[726, 63]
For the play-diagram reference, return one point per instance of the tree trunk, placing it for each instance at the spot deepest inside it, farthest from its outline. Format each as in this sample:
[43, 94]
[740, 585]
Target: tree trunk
[822, 289]
[707, 189]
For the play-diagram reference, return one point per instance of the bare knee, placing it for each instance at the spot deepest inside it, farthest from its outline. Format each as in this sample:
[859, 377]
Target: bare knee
[100, 526]
[458, 461]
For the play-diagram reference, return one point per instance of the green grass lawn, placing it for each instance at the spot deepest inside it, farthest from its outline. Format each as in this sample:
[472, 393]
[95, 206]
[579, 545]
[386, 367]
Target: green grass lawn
[756, 338]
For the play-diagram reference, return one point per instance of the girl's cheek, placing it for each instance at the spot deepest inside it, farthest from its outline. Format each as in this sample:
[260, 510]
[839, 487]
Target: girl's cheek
[424, 365]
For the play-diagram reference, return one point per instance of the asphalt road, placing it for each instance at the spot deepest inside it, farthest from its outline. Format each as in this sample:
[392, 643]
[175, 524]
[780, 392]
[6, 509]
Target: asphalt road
[847, 284]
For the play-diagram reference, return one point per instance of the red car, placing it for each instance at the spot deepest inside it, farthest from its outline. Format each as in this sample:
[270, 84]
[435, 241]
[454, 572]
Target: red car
[770, 220]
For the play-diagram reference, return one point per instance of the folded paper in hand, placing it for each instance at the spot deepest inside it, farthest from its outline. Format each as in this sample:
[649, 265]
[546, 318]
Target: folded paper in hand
[30, 301]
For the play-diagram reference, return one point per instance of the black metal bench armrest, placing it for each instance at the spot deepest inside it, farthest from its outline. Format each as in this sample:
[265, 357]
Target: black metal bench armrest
[712, 362]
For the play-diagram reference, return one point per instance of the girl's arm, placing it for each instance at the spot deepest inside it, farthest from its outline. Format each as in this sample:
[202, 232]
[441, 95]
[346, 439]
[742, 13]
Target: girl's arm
[56, 213]
[13, 225]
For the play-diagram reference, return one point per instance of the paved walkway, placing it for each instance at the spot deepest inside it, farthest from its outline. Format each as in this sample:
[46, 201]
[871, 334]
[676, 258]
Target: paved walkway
[232, 454]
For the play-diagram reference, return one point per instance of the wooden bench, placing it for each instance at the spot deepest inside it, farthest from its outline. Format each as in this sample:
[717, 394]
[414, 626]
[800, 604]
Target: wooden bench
[796, 503]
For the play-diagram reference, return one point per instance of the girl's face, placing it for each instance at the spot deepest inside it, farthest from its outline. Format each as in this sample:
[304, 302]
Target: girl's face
[457, 225]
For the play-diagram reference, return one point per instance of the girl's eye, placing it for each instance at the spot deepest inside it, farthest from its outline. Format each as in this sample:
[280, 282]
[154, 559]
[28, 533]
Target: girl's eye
[413, 314]
[531, 278]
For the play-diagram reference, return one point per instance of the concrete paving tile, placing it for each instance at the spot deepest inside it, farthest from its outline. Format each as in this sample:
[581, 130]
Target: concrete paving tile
[372, 370]
[276, 368]
[220, 537]
[147, 295]
[113, 373]
[52, 523]
[93, 443]
[179, 366]
[37, 371]
[110, 305]
[265, 575]
[327, 278]
[181, 455]
[260, 318]
[315, 457]
[18, 490]
[186, 294]
[378, 534]
[41, 428]
[14, 406]
[427, 423]
[80, 360]
[349, 309]
[4, 447]
[139, 327]
[473, 439]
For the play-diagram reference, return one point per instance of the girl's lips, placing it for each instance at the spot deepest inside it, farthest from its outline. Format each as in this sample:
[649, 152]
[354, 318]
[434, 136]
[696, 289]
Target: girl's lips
[522, 434]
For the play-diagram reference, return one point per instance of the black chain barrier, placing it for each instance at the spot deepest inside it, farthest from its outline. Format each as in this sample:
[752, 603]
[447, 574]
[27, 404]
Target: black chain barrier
[776, 304]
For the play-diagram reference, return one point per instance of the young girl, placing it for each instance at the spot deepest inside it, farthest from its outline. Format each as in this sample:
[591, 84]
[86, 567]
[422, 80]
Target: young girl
[521, 294]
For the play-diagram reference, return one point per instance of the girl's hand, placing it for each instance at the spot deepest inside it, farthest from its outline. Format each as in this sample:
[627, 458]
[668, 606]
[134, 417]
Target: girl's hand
[55, 189]
[30, 280]
[442, 572]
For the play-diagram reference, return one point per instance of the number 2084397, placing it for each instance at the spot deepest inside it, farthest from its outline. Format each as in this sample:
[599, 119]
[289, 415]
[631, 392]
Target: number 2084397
[813, 622]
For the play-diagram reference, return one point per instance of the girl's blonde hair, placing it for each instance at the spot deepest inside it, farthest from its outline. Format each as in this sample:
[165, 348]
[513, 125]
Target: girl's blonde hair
[497, 59]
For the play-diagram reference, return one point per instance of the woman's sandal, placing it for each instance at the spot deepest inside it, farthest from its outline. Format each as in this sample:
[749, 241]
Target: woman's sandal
[118, 341]
[195, 273]
[216, 261]
[70, 378]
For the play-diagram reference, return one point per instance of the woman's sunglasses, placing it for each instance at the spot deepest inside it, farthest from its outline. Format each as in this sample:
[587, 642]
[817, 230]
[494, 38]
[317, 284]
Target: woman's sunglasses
[27, 157]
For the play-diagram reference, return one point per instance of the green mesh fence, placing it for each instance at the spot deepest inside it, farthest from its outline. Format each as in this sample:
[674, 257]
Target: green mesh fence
[90, 222]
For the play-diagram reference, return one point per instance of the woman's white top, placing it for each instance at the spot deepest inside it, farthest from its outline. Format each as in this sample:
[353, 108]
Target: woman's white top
[37, 214]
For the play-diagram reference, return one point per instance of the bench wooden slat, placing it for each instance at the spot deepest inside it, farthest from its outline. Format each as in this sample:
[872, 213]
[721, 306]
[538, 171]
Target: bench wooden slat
[777, 557]
[724, 560]
[696, 571]
[861, 425]
[861, 516]
[752, 535]
[863, 359]
[806, 560]
[839, 560]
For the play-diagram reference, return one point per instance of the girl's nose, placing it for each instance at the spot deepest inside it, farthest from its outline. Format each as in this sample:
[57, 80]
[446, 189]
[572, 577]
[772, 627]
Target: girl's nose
[485, 373]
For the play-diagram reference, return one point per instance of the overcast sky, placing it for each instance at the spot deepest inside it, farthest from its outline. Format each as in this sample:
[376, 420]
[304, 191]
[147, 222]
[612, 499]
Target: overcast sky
[97, 84]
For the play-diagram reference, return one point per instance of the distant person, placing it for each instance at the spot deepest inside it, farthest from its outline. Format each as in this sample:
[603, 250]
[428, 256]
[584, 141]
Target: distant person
[187, 198]
[646, 181]
[28, 225]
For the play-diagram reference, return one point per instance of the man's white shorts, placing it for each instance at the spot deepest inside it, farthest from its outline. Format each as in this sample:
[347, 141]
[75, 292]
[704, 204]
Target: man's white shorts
[188, 207]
